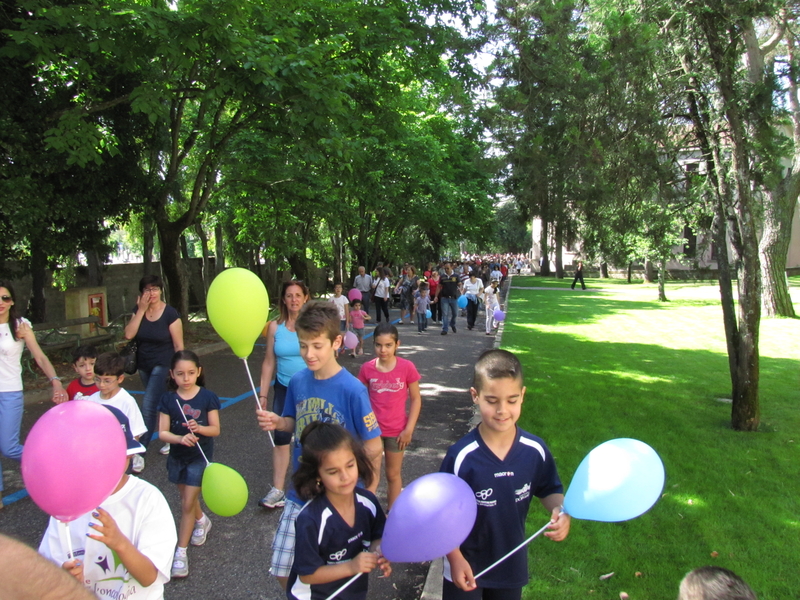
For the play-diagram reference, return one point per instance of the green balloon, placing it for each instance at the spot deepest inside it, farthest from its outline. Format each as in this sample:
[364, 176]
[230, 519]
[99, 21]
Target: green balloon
[224, 490]
[238, 307]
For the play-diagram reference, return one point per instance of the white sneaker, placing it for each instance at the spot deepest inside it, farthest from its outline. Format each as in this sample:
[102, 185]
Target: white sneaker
[180, 564]
[200, 532]
[164, 449]
[274, 499]
[138, 463]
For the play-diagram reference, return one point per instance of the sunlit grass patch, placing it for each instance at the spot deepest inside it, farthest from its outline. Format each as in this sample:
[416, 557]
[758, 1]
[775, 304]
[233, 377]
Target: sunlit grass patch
[615, 362]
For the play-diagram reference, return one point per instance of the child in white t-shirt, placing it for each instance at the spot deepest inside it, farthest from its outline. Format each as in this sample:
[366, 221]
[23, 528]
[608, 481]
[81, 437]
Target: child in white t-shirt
[123, 549]
[109, 373]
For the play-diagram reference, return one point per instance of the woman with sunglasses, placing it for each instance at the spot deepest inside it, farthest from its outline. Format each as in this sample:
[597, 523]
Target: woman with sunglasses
[14, 333]
[281, 360]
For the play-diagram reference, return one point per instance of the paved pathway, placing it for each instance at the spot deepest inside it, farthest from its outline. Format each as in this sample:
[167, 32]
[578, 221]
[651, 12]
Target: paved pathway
[234, 562]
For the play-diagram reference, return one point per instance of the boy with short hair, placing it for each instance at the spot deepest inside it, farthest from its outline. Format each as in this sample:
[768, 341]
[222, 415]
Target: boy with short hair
[109, 373]
[83, 359]
[357, 318]
[422, 304]
[323, 391]
[714, 583]
[123, 549]
[505, 466]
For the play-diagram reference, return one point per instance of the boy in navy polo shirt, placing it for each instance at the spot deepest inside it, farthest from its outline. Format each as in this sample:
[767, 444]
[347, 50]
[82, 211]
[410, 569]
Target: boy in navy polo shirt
[505, 466]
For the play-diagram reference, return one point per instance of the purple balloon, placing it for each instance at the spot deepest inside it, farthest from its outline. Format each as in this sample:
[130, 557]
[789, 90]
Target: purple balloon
[350, 340]
[499, 315]
[354, 294]
[432, 516]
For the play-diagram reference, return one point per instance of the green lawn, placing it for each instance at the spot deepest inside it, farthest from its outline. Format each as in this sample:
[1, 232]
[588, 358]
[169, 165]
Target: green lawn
[613, 362]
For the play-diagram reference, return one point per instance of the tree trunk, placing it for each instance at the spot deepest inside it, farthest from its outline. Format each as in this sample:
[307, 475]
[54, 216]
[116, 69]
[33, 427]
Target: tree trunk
[649, 272]
[219, 249]
[148, 243]
[604, 270]
[662, 271]
[630, 269]
[559, 248]
[745, 412]
[174, 270]
[720, 229]
[544, 242]
[205, 271]
[94, 268]
[37, 305]
[773, 249]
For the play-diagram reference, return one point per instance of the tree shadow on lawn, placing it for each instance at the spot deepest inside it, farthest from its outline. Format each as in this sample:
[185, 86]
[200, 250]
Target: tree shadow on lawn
[565, 309]
[583, 393]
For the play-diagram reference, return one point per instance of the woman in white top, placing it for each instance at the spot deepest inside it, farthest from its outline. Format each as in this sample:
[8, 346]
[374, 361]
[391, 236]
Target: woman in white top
[382, 287]
[14, 333]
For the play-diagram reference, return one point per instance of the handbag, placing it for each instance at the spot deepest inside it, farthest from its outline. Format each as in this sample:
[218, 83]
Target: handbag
[128, 352]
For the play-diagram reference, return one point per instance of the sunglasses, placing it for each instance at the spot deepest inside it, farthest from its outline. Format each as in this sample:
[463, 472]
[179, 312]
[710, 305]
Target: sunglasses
[6, 298]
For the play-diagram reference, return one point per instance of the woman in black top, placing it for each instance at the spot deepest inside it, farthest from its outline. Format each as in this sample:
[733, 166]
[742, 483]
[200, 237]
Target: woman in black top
[158, 330]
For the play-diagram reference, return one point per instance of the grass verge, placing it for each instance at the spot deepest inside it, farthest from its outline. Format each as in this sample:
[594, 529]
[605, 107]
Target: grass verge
[613, 363]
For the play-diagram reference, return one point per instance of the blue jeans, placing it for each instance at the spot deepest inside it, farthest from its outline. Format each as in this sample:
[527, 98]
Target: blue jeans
[155, 384]
[11, 404]
[449, 305]
[422, 322]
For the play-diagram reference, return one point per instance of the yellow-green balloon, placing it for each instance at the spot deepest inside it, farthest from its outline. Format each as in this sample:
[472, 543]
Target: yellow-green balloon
[238, 307]
[224, 490]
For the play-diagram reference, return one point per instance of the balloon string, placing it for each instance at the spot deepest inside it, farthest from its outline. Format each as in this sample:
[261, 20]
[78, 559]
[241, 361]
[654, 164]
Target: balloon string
[255, 393]
[526, 542]
[344, 587]
[70, 551]
[199, 447]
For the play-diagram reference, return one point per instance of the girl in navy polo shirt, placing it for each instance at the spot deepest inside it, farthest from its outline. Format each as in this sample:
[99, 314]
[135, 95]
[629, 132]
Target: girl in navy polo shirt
[338, 531]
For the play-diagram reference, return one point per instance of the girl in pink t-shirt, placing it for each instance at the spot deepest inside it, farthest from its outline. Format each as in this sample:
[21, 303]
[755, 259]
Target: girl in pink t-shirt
[391, 381]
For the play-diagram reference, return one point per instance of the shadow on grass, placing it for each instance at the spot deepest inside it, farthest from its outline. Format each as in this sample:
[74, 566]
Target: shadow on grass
[725, 491]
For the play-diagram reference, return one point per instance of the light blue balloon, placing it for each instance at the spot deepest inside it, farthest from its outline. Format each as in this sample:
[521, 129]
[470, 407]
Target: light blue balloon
[617, 481]
[462, 302]
[428, 314]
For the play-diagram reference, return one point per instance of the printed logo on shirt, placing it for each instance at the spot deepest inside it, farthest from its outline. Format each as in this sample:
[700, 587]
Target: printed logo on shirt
[338, 556]
[316, 409]
[370, 421]
[378, 386]
[504, 474]
[483, 497]
[193, 413]
[523, 493]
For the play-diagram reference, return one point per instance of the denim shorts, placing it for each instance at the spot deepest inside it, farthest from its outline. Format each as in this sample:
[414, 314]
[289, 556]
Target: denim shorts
[282, 438]
[188, 473]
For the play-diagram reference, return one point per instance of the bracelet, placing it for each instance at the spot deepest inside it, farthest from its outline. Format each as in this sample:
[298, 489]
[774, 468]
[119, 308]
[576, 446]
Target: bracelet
[264, 397]
[55, 377]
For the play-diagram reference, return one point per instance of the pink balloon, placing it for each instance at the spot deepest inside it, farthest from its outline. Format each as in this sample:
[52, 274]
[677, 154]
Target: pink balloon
[354, 294]
[350, 340]
[499, 315]
[73, 458]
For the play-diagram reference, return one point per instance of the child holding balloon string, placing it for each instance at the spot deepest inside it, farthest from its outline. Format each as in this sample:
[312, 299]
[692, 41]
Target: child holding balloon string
[338, 531]
[189, 416]
[123, 548]
[392, 382]
[506, 467]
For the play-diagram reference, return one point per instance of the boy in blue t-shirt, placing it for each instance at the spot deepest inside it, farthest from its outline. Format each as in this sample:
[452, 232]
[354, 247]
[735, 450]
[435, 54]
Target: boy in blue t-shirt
[323, 391]
[505, 466]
